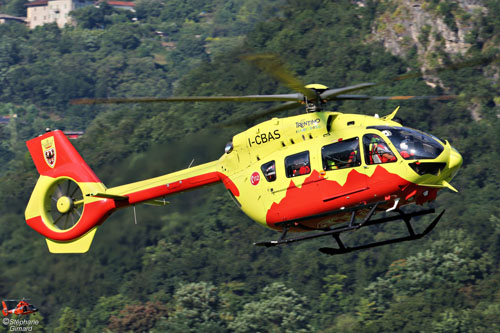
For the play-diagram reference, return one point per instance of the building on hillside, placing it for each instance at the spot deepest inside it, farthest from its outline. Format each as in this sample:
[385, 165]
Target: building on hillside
[4, 18]
[6, 119]
[48, 11]
[73, 135]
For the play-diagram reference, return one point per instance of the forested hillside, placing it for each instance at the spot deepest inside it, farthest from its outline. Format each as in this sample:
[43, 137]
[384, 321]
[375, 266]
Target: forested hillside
[191, 266]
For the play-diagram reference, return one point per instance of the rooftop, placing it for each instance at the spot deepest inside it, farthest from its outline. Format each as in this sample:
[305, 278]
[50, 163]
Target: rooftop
[37, 3]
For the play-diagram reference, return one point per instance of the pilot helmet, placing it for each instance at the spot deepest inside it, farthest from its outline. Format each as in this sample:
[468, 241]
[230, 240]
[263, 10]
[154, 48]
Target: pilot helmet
[405, 144]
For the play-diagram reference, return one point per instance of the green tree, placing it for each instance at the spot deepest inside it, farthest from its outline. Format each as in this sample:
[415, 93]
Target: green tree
[333, 298]
[92, 17]
[15, 8]
[68, 322]
[277, 309]
[197, 307]
[106, 307]
[452, 261]
[452, 322]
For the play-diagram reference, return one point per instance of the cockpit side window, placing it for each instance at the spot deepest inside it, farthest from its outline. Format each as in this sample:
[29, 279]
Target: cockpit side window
[269, 171]
[412, 144]
[376, 150]
[340, 155]
[297, 164]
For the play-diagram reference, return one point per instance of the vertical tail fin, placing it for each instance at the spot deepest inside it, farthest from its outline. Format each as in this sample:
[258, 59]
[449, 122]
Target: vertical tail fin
[60, 207]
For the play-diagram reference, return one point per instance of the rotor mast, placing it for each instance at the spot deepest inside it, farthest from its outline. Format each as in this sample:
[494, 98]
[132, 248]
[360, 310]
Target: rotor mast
[316, 104]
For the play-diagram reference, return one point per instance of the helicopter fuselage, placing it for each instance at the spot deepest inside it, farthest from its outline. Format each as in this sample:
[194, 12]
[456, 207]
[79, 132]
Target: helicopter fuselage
[304, 166]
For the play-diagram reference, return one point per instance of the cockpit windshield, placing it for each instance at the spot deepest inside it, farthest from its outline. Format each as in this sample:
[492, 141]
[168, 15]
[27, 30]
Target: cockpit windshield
[412, 144]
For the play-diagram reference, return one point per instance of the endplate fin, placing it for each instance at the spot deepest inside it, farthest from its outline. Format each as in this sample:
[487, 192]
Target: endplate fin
[79, 245]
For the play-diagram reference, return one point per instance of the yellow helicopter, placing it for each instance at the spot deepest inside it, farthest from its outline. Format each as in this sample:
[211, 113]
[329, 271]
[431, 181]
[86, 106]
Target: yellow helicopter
[322, 172]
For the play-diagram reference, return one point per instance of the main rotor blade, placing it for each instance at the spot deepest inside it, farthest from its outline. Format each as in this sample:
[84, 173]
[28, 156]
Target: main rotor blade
[366, 97]
[248, 98]
[271, 64]
[332, 93]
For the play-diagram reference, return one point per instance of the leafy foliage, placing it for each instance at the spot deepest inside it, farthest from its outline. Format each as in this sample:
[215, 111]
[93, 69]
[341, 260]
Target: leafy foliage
[139, 317]
[197, 271]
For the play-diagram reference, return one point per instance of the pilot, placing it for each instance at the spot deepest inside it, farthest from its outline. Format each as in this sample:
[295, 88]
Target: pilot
[301, 169]
[405, 151]
[352, 159]
[379, 153]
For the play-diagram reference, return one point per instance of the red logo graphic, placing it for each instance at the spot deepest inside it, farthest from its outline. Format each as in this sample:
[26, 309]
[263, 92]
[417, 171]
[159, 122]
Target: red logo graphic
[255, 178]
[49, 151]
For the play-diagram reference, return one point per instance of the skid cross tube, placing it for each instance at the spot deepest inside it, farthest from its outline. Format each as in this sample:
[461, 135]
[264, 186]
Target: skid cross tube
[352, 226]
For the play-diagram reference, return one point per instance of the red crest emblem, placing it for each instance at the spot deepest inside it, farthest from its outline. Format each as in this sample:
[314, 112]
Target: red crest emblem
[49, 151]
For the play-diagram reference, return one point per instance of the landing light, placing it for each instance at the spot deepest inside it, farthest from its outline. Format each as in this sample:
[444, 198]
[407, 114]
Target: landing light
[229, 147]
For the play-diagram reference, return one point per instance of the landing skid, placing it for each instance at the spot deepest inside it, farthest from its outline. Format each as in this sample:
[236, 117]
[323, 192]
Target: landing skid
[353, 225]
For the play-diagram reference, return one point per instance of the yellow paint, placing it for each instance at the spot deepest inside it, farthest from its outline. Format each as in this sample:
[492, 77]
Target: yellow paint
[392, 115]
[64, 204]
[40, 203]
[316, 86]
[79, 245]
[166, 179]
[448, 185]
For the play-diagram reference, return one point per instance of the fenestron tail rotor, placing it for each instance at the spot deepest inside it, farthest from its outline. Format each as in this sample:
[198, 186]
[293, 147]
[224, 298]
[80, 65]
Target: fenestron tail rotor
[66, 203]
[57, 208]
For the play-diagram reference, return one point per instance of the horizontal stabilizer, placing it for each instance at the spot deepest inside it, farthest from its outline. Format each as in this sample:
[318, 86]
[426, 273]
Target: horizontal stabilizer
[108, 196]
[157, 202]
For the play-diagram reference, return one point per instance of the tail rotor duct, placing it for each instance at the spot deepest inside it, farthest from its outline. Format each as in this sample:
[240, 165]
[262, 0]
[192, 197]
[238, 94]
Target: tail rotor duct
[66, 204]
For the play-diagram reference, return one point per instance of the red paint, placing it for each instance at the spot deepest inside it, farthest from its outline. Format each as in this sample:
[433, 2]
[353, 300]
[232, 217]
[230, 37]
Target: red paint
[318, 195]
[37, 3]
[68, 163]
[255, 178]
[179, 186]
[93, 214]
[121, 3]
[228, 183]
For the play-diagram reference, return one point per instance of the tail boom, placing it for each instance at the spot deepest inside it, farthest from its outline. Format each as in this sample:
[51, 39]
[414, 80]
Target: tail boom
[169, 184]
[59, 164]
